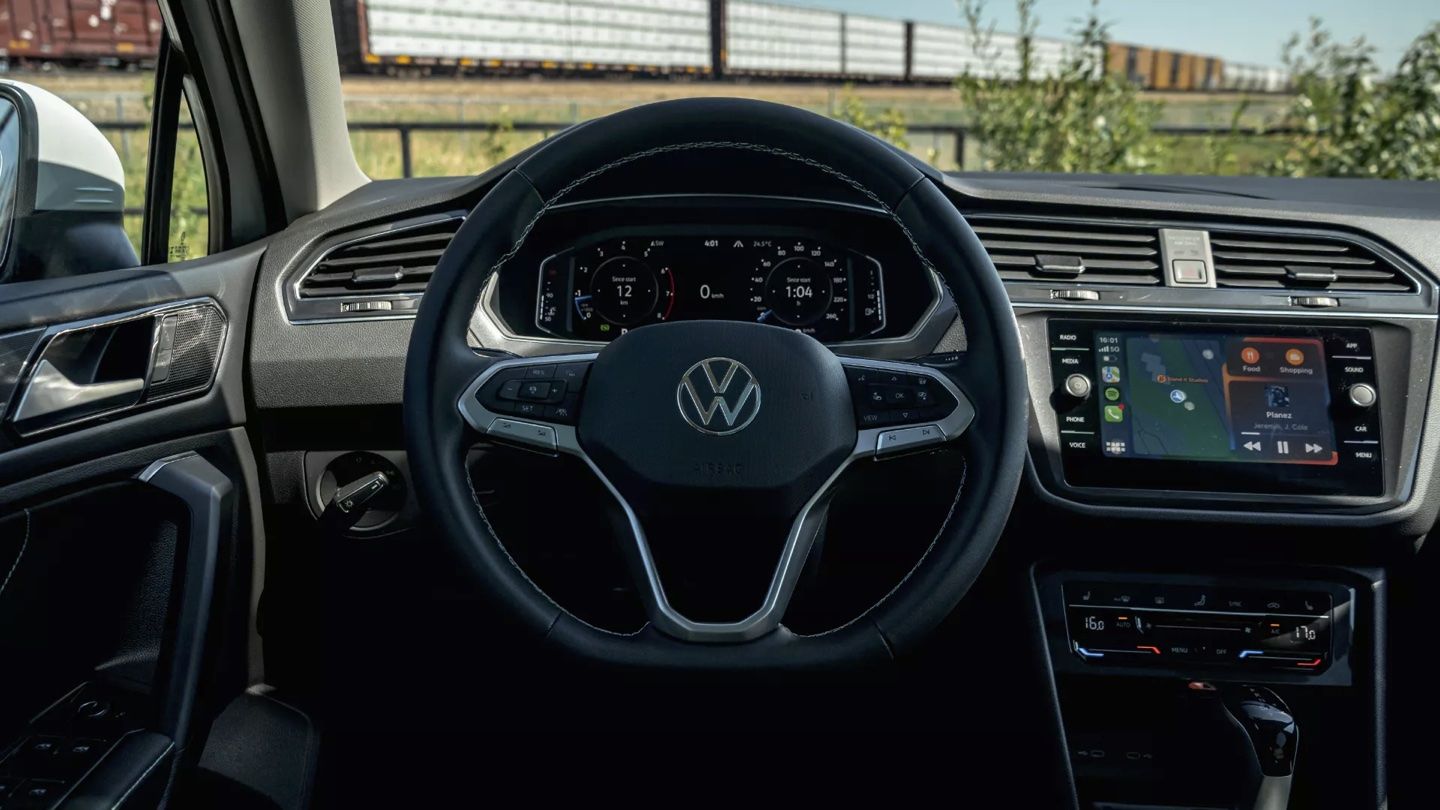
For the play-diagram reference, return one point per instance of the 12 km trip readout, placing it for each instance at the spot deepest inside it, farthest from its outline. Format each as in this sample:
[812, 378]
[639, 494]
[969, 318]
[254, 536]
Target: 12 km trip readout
[600, 290]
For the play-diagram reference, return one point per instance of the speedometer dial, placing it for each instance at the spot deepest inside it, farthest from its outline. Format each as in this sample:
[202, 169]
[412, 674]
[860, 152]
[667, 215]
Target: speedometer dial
[798, 292]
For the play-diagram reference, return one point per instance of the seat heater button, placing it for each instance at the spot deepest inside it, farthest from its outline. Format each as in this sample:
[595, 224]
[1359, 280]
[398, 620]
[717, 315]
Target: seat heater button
[528, 433]
[910, 438]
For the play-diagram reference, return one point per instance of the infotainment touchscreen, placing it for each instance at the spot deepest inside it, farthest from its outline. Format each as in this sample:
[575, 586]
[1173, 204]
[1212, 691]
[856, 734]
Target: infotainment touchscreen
[1217, 407]
[1214, 397]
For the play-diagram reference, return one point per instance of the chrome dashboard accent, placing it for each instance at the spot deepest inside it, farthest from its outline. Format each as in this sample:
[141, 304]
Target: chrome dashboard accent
[288, 291]
[1302, 314]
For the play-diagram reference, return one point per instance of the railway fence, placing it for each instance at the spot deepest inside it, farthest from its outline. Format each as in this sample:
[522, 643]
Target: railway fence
[955, 135]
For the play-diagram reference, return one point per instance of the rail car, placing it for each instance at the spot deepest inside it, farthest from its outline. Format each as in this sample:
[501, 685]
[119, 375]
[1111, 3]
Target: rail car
[695, 39]
[79, 33]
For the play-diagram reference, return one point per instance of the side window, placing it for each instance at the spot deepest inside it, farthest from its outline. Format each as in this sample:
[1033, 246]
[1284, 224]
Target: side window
[189, 206]
[86, 84]
[121, 105]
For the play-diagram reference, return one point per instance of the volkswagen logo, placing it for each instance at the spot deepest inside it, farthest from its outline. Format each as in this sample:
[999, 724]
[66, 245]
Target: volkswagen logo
[718, 385]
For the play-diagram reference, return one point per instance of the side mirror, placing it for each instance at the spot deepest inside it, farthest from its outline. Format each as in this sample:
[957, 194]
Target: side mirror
[62, 190]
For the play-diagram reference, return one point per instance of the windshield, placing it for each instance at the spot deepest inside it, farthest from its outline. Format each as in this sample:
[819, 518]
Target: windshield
[1230, 87]
[1227, 87]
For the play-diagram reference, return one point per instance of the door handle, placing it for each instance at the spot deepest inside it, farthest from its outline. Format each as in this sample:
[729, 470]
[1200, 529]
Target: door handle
[50, 395]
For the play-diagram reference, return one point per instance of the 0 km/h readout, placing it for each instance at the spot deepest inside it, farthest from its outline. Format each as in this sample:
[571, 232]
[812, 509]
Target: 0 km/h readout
[600, 290]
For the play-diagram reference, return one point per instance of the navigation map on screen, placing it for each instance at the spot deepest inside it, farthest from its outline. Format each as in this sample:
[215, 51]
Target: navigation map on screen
[1214, 397]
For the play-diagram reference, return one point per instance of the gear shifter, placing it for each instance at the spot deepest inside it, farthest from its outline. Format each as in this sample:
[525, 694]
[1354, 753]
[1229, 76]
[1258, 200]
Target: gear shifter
[1273, 736]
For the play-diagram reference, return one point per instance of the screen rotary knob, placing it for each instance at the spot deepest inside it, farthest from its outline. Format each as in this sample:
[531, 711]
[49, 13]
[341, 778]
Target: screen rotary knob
[1361, 395]
[1077, 387]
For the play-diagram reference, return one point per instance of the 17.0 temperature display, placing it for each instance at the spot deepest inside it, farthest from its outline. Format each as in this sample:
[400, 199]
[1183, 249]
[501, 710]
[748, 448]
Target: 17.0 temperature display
[600, 290]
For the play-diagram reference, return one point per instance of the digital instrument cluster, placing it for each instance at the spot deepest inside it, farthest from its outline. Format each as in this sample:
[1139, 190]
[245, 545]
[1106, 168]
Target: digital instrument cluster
[601, 289]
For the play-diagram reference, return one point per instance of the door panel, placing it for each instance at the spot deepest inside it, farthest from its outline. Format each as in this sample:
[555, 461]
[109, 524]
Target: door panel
[130, 539]
[227, 279]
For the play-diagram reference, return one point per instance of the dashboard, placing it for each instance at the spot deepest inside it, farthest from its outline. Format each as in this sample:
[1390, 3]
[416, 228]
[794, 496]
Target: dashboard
[1153, 392]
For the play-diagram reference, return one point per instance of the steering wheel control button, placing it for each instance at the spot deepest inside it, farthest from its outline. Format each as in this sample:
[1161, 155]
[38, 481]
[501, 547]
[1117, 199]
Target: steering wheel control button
[902, 440]
[534, 391]
[539, 372]
[884, 397]
[528, 434]
[1078, 386]
[572, 374]
[565, 413]
[1361, 395]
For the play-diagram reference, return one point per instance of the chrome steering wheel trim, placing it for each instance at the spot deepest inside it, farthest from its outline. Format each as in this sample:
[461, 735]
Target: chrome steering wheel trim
[871, 443]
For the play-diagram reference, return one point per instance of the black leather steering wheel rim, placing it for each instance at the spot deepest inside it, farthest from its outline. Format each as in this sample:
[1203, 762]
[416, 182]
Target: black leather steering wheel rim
[441, 365]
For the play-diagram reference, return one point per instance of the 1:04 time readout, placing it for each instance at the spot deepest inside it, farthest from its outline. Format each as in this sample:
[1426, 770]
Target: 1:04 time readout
[600, 290]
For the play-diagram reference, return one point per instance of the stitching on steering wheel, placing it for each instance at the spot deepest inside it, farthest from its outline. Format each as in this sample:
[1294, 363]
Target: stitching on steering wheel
[742, 146]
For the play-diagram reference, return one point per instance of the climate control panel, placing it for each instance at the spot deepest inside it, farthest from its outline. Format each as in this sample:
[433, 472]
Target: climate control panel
[1218, 627]
[1140, 624]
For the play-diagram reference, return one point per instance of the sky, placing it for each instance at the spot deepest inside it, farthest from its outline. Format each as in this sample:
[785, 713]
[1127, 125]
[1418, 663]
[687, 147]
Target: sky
[1250, 31]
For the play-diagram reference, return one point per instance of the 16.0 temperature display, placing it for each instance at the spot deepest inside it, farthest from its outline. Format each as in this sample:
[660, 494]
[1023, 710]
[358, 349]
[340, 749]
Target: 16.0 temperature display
[600, 290]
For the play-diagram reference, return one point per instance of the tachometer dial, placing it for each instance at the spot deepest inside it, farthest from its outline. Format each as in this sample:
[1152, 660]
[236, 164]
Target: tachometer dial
[798, 292]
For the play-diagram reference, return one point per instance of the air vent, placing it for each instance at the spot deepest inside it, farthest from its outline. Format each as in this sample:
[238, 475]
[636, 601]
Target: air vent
[1089, 253]
[1301, 262]
[399, 261]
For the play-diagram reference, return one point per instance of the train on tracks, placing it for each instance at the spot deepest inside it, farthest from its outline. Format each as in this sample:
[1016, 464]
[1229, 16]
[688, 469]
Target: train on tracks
[686, 39]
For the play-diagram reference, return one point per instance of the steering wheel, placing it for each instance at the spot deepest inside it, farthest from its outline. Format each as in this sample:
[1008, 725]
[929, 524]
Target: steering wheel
[738, 428]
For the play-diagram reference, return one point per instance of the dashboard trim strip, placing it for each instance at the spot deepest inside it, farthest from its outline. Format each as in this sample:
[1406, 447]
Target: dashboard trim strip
[1307, 314]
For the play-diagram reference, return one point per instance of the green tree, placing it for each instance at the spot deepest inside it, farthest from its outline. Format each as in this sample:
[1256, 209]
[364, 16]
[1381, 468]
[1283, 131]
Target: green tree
[1353, 122]
[889, 124]
[1080, 118]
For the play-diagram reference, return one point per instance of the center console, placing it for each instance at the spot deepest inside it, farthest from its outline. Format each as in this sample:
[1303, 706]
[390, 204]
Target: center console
[1210, 689]
[1231, 421]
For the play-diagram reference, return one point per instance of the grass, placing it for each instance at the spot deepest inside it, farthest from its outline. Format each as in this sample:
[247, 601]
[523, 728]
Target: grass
[107, 97]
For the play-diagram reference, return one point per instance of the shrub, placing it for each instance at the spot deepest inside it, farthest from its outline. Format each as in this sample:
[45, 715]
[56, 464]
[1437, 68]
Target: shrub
[1353, 123]
[888, 125]
[1078, 119]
